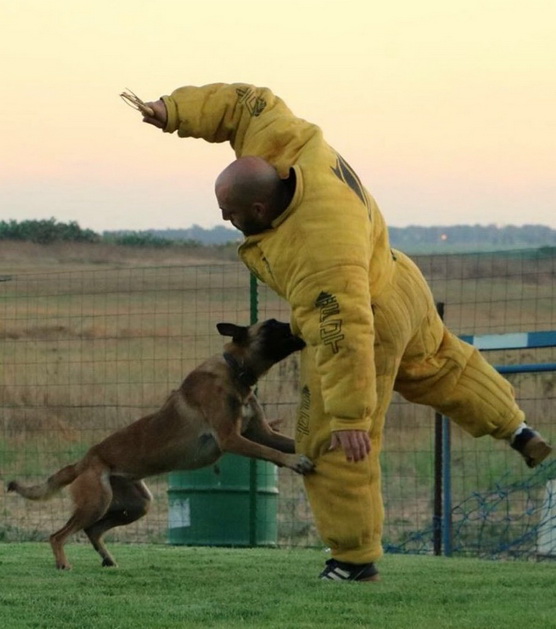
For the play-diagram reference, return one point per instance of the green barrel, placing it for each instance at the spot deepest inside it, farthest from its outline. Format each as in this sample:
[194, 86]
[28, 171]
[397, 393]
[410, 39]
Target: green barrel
[222, 505]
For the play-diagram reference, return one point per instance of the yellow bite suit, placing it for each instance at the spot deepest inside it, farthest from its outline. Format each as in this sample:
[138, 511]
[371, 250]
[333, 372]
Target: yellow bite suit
[365, 312]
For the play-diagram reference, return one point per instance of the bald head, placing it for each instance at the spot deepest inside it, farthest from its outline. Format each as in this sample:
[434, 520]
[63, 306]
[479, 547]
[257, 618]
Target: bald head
[248, 178]
[251, 194]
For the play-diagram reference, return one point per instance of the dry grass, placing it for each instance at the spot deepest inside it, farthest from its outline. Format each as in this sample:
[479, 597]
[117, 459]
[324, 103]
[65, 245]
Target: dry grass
[28, 257]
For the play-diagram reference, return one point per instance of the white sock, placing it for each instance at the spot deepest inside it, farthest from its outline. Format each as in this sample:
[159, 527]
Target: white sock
[517, 431]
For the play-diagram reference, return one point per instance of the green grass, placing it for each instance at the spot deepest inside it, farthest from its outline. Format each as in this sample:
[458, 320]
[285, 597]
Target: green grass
[177, 587]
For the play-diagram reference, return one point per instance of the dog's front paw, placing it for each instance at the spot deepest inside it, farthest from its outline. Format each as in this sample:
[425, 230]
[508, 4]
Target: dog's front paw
[304, 465]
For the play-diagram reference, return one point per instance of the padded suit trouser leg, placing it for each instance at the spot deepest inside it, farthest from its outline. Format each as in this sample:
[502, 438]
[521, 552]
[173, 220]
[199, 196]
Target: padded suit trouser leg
[440, 370]
[345, 497]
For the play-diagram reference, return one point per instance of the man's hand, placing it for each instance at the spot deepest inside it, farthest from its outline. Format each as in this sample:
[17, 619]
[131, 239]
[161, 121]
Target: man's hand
[355, 443]
[160, 114]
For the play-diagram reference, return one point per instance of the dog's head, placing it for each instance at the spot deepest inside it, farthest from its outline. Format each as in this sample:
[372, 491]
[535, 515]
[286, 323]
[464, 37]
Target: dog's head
[263, 344]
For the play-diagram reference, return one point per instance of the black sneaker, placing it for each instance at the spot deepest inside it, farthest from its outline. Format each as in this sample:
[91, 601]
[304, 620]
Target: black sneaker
[342, 571]
[532, 447]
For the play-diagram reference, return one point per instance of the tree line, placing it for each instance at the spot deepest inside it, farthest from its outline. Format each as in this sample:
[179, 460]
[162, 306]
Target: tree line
[411, 238]
[50, 231]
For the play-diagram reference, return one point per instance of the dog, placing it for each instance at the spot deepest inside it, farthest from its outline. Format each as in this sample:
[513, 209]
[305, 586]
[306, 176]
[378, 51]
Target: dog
[213, 411]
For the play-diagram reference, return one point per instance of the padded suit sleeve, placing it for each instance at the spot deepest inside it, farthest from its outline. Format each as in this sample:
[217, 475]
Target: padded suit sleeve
[331, 310]
[222, 112]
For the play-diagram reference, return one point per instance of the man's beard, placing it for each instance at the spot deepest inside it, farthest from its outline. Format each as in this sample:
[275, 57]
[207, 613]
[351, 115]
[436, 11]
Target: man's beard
[252, 226]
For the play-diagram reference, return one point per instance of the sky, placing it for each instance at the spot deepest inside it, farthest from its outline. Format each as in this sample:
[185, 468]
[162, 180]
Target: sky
[445, 108]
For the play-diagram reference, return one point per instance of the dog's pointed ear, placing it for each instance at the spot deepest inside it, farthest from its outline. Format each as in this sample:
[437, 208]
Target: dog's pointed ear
[237, 332]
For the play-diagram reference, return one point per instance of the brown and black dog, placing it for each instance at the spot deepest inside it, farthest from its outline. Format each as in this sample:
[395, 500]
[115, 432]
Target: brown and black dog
[214, 411]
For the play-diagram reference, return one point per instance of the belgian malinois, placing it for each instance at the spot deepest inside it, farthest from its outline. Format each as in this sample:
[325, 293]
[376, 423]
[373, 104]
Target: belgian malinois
[213, 411]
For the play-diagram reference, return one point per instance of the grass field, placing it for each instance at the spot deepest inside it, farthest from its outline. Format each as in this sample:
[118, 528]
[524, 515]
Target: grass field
[161, 587]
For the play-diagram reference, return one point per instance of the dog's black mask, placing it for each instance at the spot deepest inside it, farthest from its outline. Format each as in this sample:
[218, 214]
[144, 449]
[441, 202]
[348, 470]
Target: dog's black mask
[278, 340]
[273, 338]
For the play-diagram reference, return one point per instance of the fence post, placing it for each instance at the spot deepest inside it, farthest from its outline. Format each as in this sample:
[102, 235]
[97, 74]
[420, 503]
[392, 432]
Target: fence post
[437, 514]
[442, 518]
[253, 318]
[438, 469]
[447, 483]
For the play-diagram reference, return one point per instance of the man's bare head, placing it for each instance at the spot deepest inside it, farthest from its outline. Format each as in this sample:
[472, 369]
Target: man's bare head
[250, 194]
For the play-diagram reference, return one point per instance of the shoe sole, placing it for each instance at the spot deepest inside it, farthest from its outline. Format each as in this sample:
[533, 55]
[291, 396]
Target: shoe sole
[374, 578]
[536, 451]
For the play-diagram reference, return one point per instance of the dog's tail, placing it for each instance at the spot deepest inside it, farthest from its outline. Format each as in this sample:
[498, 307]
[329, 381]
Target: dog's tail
[51, 486]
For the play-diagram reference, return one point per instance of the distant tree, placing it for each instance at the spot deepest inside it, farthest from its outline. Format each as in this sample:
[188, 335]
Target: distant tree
[471, 237]
[45, 231]
[218, 235]
[146, 239]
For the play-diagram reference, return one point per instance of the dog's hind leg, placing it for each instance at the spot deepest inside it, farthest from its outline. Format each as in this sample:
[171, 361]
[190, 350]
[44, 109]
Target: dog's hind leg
[131, 500]
[92, 495]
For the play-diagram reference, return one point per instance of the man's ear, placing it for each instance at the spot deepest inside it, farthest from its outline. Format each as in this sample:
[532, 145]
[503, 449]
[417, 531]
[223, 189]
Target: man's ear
[237, 332]
[260, 210]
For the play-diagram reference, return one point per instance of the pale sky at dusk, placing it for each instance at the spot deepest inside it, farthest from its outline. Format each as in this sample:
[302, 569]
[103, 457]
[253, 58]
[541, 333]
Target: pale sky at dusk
[446, 108]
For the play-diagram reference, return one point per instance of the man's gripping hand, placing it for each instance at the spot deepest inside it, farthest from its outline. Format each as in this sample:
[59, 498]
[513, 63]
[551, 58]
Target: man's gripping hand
[160, 117]
[355, 443]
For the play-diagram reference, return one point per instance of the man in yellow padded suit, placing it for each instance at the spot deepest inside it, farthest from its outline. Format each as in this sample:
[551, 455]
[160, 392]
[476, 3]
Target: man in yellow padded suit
[316, 236]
